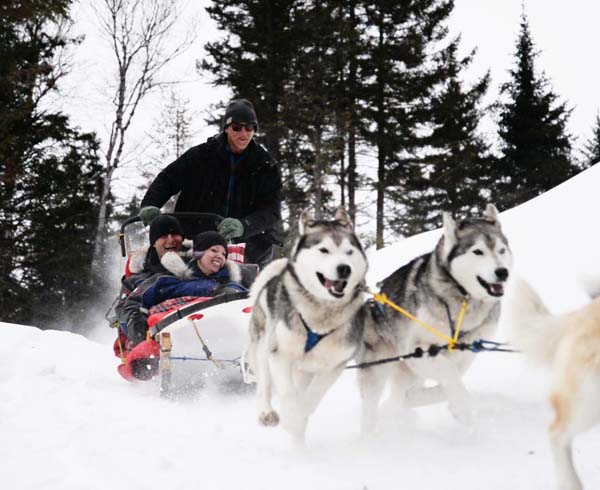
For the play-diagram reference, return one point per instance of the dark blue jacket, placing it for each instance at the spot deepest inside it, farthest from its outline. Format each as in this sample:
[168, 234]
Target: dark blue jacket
[168, 286]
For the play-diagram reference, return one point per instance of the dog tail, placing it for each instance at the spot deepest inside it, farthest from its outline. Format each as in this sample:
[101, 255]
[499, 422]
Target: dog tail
[534, 330]
[273, 269]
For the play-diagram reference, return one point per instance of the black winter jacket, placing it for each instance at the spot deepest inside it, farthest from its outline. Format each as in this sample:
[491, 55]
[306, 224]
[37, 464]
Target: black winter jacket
[202, 176]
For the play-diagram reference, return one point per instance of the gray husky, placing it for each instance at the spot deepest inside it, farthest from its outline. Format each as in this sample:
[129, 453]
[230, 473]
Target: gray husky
[307, 320]
[471, 262]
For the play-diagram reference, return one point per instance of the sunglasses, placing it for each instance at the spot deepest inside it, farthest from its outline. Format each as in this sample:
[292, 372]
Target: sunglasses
[237, 127]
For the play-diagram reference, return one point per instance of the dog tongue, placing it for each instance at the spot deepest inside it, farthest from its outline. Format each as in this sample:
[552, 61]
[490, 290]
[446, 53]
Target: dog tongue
[337, 286]
[497, 288]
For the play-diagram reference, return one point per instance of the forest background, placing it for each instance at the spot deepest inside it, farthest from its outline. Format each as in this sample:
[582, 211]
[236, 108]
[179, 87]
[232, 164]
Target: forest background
[373, 105]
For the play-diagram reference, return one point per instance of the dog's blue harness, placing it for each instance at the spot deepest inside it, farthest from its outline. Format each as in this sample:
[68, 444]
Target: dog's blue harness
[312, 338]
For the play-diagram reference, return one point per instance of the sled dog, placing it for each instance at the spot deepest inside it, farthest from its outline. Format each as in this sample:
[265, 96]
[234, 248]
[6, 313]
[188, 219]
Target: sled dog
[307, 320]
[471, 262]
[570, 345]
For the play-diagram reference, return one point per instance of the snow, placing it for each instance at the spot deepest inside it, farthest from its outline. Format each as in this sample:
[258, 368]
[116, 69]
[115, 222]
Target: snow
[69, 422]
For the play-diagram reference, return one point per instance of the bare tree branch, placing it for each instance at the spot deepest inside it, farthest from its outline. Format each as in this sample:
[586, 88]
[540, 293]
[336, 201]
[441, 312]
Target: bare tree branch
[140, 34]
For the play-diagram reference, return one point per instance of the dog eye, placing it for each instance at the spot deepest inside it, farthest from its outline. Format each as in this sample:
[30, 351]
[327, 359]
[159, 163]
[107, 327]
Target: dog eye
[502, 251]
[323, 250]
[478, 251]
[349, 252]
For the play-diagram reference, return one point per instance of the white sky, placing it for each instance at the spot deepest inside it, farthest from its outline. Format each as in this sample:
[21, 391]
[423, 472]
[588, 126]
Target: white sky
[69, 422]
[565, 33]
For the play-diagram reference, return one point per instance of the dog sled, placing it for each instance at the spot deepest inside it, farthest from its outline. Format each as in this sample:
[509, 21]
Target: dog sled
[191, 342]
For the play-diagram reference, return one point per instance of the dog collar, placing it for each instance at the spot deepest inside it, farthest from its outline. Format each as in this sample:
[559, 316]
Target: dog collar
[312, 337]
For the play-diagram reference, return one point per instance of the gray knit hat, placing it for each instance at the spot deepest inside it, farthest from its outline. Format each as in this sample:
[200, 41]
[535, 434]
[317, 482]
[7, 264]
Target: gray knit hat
[240, 111]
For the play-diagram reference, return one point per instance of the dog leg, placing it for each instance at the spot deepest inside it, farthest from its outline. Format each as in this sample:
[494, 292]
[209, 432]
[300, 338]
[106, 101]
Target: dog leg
[458, 400]
[420, 396]
[298, 406]
[445, 372]
[320, 383]
[264, 387]
[561, 441]
[294, 417]
[562, 453]
[294, 412]
[371, 383]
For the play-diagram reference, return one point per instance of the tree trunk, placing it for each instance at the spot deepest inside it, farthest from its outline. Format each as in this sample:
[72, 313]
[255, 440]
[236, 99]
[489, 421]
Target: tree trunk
[318, 173]
[101, 225]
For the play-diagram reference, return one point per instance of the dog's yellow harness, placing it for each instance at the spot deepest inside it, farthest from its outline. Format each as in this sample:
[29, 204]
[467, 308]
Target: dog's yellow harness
[452, 341]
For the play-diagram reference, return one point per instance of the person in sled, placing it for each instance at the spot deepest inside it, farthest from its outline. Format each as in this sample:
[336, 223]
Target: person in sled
[208, 274]
[229, 175]
[165, 235]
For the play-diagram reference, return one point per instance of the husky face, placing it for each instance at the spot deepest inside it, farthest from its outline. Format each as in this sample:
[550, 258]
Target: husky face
[328, 258]
[477, 254]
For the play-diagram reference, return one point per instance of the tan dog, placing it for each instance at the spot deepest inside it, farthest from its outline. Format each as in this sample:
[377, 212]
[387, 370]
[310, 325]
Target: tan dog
[570, 344]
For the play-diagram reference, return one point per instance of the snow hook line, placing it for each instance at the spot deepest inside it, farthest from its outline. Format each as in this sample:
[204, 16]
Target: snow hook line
[433, 350]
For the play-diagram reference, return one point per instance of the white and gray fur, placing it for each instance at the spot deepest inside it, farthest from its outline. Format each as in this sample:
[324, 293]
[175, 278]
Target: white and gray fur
[318, 287]
[471, 261]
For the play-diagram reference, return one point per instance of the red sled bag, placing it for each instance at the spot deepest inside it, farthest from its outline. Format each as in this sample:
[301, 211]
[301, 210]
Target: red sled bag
[142, 362]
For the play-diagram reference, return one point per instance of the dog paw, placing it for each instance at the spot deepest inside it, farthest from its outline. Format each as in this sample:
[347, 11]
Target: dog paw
[268, 419]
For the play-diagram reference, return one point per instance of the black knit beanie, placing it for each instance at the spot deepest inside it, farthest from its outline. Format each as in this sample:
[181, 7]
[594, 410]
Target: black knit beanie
[203, 241]
[240, 111]
[164, 225]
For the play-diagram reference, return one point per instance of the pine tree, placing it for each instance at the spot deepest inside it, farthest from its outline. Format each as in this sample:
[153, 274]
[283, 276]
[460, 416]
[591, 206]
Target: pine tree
[345, 30]
[48, 184]
[413, 79]
[536, 149]
[254, 60]
[254, 57]
[453, 173]
[312, 99]
[592, 147]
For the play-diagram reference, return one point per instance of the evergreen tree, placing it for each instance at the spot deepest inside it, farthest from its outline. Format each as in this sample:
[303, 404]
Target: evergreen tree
[254, 60]
[48, 184]
[351, 33]
[592, 147]
[329, 75]
[536, 149]
[413, 79]
[313, 94]
[454, 172]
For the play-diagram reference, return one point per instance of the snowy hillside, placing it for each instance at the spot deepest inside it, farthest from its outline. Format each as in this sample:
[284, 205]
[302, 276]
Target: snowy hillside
[69, 422]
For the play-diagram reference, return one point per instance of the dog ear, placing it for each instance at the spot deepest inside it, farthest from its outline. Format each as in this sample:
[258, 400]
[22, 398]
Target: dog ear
[449, 233]
[490, 214]
[342, 217]
[305, 221]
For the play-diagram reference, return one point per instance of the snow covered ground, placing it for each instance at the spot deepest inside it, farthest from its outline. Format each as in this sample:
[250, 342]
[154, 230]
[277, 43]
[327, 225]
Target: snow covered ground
[69, 422]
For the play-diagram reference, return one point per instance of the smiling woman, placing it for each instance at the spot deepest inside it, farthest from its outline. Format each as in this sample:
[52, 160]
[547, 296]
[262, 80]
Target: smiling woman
[210, 252]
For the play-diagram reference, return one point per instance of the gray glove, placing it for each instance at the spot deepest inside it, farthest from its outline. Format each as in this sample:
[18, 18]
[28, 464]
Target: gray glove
[148, 213]
[231, 228]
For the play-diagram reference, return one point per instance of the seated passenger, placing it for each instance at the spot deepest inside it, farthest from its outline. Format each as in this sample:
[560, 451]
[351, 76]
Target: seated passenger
[165, 235]
[211, 266]
[207, 275]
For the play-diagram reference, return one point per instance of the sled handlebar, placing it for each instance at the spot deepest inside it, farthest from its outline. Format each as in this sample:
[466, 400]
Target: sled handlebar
[187, 214]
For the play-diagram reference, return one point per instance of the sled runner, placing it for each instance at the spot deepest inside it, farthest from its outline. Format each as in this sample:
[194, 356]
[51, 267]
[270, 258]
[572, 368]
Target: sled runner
[191, 341]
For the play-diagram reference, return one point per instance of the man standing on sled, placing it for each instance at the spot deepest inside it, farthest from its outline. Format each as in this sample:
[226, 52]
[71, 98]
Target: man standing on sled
[229, 175]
